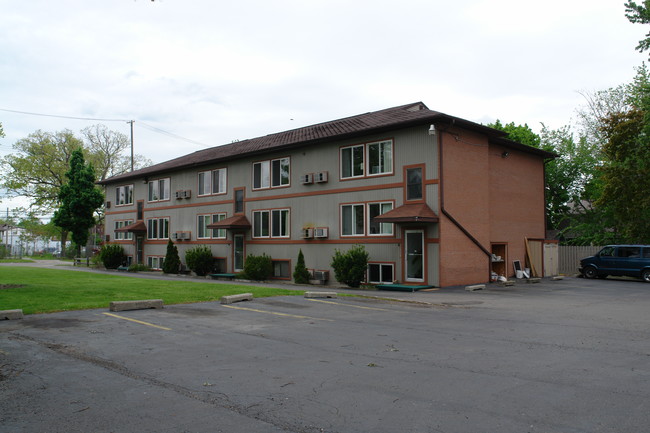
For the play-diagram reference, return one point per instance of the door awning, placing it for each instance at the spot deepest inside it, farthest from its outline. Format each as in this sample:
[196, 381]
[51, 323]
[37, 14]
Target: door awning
[237, 222]
[409, 213]
[136, 227]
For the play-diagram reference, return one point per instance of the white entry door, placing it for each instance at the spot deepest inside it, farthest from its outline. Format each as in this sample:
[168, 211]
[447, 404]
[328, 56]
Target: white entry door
[414, 255]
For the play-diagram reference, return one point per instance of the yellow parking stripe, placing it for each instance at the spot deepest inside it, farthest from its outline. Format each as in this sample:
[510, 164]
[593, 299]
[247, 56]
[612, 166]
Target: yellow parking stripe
[138, 321]
[275, 313]
[347, 305]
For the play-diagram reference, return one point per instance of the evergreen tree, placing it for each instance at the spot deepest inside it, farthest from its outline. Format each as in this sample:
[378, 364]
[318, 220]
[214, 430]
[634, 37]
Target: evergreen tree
[172, 263]
[79, 198]
[301, 274]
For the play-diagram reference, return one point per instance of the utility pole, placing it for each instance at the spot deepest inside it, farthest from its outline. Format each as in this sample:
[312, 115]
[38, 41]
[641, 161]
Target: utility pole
[131, 122]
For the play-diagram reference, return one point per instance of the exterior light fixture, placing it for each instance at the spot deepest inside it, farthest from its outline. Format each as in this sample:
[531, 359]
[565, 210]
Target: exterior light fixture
[432, 129]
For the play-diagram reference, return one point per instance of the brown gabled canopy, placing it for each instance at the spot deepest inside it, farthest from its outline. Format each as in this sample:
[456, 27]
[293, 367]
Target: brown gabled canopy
[409, 213]
[232, 223]
[136, 227]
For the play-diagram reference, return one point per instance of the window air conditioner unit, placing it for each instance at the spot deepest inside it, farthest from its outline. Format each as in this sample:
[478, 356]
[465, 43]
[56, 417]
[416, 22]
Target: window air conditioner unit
[307, 233]
[108, 205]
[178, 194]
[307, 178]
[321, 177]
[320, 232]
[187, 193]
[185, 235]
[321, 275]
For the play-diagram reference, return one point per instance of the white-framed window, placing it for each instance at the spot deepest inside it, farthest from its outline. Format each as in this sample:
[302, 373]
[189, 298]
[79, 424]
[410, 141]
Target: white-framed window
[271, 223]
[280, 223]
[159, 189]
[121, 236]
[158, 228]
[380, 157]
[155, 262]
[352, 219]
[261, 224]
[376, 228]
[352, 161]
[124, 195]
[354, 222]
[213, 181]
[369, 159]
[202, 230]
[273, 173]
[381, 273]
[280, 172]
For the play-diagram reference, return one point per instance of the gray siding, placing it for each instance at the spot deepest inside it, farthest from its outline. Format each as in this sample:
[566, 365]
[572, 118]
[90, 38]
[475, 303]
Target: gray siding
[314, 205]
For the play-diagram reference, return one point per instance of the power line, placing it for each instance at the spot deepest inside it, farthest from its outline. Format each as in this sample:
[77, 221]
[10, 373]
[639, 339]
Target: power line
[63, 117]
[146, 126]
[160, 131]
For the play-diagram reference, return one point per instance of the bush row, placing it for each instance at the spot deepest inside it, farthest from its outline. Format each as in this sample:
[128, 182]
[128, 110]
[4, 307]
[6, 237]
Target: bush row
[349, 266]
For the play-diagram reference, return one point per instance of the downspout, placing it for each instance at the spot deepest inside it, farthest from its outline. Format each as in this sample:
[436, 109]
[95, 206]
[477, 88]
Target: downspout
[449, 216]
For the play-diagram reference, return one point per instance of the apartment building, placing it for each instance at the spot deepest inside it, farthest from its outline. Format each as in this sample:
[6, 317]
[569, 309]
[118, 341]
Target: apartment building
[433, 198]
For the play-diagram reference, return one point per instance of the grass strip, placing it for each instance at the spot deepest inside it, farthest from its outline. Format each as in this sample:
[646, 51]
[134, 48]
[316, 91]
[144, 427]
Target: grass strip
[50, 290]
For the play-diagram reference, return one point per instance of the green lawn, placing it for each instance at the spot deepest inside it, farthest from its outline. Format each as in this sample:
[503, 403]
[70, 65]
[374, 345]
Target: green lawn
[49, 290]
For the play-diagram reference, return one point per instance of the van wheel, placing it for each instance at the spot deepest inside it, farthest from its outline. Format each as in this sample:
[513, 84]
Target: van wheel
[646, 275]
[590, 272]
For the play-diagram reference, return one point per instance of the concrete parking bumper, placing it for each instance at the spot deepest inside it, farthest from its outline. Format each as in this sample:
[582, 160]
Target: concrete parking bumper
[11, 314]
[136, 305]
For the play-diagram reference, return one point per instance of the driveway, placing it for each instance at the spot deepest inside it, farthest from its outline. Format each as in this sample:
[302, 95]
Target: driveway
[565, 356]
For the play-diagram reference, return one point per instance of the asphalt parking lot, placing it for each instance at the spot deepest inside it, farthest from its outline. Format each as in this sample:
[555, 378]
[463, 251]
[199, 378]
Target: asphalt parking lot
[564, 356]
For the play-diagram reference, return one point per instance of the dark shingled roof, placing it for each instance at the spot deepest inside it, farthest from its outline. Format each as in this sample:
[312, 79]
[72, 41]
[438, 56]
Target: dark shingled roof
[374, 122]
[408, 213]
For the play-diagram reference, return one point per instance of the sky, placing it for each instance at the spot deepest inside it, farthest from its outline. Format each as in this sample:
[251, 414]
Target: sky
[200, 73]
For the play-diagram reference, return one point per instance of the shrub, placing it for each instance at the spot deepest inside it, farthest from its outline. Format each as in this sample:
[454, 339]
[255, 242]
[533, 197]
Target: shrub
[258, 267]
[172, 263]
[301, 274]
[111, 256]
[138, 267]
[350, 267]
[200, 260]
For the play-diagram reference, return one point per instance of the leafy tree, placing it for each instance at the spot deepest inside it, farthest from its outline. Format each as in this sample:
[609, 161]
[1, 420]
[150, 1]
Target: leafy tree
[350, 266]
[519, 133]
[79, 199]
[37, 169]
[300, 273]
[639, 13]
[2, 132]
[172, 263]
[626, 175]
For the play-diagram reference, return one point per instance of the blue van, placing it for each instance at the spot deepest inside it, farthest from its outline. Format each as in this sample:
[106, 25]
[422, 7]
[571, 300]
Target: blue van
[619, 260]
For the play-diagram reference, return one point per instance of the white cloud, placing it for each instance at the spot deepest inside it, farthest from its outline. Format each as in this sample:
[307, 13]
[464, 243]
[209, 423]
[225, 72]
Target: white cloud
[219, 71]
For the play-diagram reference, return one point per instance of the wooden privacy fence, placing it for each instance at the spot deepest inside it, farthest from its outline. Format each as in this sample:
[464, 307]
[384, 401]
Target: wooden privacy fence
[569, 257]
